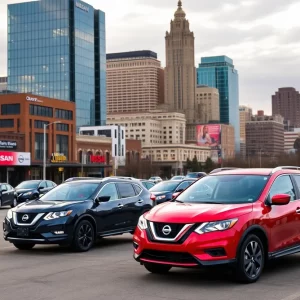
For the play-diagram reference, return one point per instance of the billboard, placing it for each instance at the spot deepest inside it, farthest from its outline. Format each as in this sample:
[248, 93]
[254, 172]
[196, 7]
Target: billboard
[209, 135]
[15, 159]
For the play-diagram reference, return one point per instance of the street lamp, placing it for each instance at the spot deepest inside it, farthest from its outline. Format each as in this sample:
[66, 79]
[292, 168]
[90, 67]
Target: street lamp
[44, 154]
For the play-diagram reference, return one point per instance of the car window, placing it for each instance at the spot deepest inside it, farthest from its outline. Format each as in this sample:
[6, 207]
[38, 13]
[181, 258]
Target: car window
[109, 190]
[282, 185]
[138, 189]
[43, 185]
[149, 185]
[126, 190]
[50, 184]
[3, 188]
[8, 187]
[183, 185]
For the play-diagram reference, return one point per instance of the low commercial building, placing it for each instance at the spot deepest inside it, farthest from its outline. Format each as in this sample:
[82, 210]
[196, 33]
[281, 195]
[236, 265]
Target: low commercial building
[172, 158]
[289, 139]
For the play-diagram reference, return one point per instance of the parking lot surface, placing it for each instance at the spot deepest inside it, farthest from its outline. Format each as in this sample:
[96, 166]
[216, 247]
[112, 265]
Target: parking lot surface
[109, 272]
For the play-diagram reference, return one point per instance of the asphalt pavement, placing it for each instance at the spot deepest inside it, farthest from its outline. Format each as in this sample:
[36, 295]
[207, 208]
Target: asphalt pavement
[109, 272]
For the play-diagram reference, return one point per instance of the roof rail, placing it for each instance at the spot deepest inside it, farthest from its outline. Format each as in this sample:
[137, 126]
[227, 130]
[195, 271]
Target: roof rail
[285, 168]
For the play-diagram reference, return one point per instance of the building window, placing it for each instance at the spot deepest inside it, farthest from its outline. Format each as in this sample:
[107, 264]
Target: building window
[62, 127]
[39, 146]
[63, 114]
[7, 123]
[43, 111]
[40, 124]
[10, 109]
[62, 144]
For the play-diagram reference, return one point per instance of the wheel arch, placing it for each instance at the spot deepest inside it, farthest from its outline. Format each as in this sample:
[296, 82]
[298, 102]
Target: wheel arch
[260, 232]
[90, 219]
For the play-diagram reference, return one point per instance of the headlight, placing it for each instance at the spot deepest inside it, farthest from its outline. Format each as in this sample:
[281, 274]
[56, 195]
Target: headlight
[216, 226]
[142, 224]
[160, 197]
[57, 215]
[27, 194]
[9, 214]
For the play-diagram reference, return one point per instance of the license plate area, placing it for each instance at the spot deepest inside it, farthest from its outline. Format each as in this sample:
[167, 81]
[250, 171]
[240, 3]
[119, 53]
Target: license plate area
[22, 232]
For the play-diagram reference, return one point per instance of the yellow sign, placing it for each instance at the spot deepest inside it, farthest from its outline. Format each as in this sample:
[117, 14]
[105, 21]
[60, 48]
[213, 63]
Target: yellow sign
[61, 169]
[58, 158]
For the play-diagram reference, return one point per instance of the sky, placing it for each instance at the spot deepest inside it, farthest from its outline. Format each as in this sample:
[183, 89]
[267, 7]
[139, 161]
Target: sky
[261, 36]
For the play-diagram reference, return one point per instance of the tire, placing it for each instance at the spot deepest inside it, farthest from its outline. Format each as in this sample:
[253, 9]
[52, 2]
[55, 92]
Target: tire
[157, 268]
[250, 260]
[15, 203]
[24, 246]
[84, 237]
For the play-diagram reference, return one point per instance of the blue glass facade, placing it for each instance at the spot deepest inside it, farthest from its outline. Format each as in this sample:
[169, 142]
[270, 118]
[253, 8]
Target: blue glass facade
[56, 48]
[219, 72]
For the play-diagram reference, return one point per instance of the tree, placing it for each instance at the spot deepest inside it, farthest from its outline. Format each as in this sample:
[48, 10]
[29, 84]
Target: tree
[195, 165]
[209, 165]
[188, 164]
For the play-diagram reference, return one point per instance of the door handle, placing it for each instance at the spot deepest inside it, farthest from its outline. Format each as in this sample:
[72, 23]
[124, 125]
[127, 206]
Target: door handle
[298, 210]
[120, 206]
[140, 201]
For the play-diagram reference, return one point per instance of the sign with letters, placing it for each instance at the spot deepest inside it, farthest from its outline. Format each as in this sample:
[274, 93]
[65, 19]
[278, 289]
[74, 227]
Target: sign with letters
[58, 158]
[15, 159]
[82, 6]
[8, 145]
[98, 159]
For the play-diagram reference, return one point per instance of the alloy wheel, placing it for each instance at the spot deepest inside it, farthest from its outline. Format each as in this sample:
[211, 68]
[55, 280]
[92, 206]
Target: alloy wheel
[85, 236]
[253, 259]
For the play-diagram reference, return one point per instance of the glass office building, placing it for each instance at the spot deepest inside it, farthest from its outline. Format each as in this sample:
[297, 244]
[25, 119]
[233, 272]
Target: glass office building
[56, 48]
[219, 72]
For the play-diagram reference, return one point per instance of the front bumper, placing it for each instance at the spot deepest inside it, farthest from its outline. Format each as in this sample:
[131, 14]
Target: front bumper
[213, 249]
[43, 232]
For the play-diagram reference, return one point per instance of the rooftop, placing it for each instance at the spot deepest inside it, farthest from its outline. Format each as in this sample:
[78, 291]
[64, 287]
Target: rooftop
[132, 54]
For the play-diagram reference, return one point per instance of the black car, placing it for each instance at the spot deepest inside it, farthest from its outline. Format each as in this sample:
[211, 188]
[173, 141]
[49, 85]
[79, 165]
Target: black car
[33, 189]
[195, 175]
[76, 213]
[8, 196]
[164, 191]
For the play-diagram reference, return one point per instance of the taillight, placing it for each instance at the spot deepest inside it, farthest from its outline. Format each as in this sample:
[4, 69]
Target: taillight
[152, 197]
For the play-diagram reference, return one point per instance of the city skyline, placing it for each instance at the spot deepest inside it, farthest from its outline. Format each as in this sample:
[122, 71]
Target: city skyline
[255, 38]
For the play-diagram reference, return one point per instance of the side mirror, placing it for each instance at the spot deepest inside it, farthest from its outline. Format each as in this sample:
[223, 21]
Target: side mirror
[102, 199]
[40, 188]
[281, 199]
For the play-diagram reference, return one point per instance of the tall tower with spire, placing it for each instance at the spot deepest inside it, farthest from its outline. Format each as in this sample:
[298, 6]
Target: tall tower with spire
[180, 72]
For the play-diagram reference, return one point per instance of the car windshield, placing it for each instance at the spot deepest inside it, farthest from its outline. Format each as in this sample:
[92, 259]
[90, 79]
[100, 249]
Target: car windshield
[192, 175]
[78, 191]
[177, 177]
[28, 185]
[167, 186]
[225, 189]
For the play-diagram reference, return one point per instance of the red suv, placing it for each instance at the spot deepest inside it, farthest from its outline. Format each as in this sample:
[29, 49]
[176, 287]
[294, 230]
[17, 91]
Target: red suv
[240, 218]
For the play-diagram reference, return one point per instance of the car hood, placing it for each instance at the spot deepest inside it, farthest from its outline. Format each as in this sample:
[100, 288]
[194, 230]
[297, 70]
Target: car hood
[38, 206]
[21, 191]
[175, 212]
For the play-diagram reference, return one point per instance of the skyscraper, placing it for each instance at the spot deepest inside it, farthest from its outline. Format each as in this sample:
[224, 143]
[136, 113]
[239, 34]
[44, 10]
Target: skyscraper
[180, 79]
[219, 72]
[286, 102]
[56, 48]
[135, 82]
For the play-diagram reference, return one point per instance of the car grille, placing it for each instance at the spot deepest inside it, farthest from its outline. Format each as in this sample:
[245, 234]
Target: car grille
[175, 229]
[171, 257]
[24, 218]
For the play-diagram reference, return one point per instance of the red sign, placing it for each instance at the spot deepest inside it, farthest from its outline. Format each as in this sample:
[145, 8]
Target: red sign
[98, 159]
[15, 159]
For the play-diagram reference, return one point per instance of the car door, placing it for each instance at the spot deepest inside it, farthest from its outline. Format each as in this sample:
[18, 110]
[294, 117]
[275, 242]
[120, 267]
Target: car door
[4, 195]
[10, 194]
[132, 203]
[109, 215]
[284, 220]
